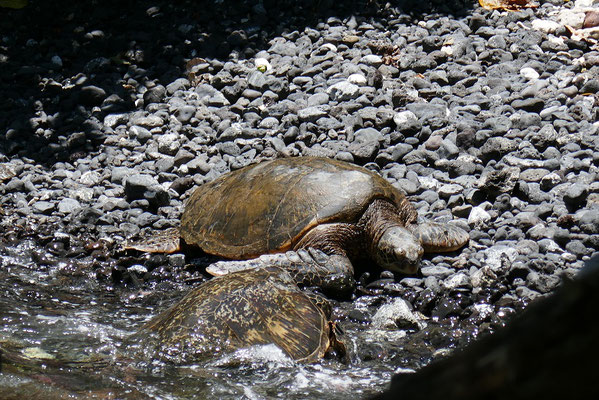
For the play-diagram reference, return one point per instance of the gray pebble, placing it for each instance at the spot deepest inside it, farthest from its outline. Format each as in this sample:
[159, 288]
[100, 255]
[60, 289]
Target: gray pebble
[154, 94]
[141, 186]
[311, 114]
[140, 133]
[343, 91]
[576, 195]
[43, 207]
[169, 143]
[589, 221]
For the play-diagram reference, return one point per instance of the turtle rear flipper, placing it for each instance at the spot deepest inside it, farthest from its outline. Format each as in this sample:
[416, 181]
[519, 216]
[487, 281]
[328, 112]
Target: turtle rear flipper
[167, 241]
[308, 267]
[436, 237]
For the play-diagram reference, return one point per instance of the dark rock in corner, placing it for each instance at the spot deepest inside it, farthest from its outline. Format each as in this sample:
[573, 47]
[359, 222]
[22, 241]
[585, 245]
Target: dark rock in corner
[549, 352]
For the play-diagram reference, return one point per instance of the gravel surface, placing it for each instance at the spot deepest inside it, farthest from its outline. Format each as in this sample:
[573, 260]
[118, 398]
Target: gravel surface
[111, 114]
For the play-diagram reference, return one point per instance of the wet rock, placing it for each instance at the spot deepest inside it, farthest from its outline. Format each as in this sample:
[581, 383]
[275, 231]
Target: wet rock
[397, 315]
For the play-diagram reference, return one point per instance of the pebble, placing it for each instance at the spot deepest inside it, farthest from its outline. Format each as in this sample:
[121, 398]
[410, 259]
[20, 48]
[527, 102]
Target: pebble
[43, 207]
[343, 91]
[92, 95]
[366, 143]
[140, 133]
[169, 144]
[262, 65]
[499, 257]
[458, 280]
[154, 94]
[67, 206]
[547, 26]
[576, 194]
[589, 221]
[357, 79]
[141, 186]
[478, 216]
[372, 60]
[311, 114]
[406, 121]
[529, 73]
[397, 315]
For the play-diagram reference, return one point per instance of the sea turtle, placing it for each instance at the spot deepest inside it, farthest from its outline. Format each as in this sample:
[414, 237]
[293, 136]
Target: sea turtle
[241, 309]
[308, 215]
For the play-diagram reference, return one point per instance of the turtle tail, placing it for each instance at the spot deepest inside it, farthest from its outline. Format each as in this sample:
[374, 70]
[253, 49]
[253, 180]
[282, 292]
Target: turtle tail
[439, 238]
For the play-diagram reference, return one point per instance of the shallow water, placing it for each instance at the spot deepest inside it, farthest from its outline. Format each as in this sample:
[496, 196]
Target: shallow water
[62, 334]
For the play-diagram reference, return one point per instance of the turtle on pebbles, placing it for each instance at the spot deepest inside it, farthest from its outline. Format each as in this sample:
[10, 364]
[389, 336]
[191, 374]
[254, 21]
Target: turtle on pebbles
[309, 216]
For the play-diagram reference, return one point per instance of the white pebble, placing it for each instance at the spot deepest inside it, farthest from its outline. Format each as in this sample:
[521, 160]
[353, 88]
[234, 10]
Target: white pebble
[329, 47]
[262, 63]
[478, 216]
[529, 73]
[545, 25]
[357, 79]
[372, 59]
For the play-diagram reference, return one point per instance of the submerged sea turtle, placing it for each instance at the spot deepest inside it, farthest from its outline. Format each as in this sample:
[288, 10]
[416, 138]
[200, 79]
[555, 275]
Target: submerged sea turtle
[308, 215]
[241, 309]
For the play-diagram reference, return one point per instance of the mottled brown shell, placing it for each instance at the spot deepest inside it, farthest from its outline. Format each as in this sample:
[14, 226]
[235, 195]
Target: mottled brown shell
[268, 207]
[253, 307]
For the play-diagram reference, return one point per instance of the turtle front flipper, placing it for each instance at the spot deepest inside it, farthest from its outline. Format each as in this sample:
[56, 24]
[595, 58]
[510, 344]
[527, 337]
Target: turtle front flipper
[167, 241]
[435, 237]
[308, 267]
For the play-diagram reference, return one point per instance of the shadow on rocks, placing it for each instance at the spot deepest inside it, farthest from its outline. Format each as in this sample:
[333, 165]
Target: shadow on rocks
[66, 65]
[549, 351]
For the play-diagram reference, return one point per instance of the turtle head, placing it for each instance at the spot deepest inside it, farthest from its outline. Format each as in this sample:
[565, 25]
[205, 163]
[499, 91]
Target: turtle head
[398, 250]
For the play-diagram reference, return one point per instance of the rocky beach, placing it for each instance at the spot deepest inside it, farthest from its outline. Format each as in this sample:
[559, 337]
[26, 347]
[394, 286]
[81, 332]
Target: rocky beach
[112, 112]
